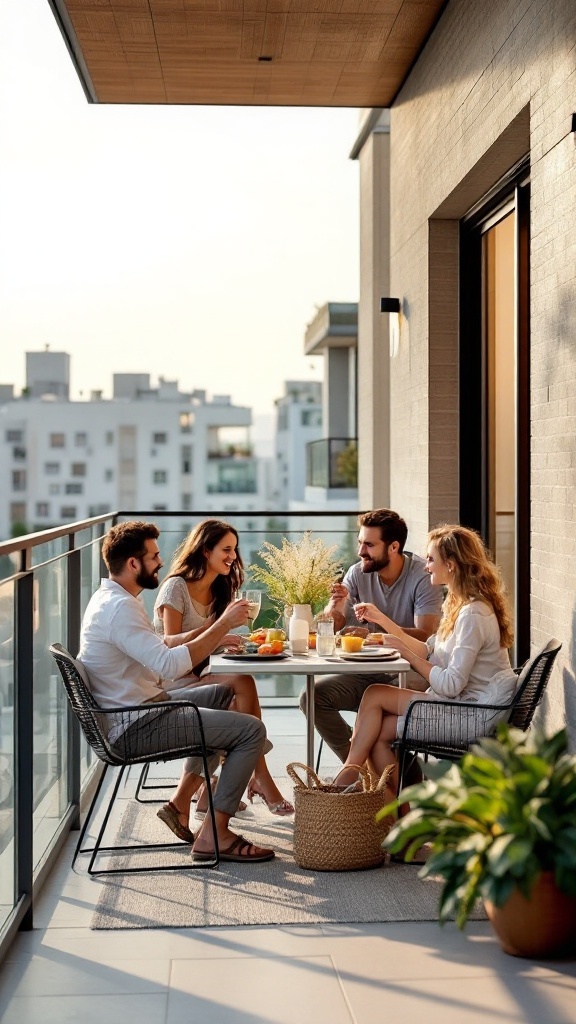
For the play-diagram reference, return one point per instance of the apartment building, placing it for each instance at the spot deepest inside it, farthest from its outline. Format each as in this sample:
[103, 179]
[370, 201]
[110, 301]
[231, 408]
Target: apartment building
[146, 448]
[298, 422]
[332, 459]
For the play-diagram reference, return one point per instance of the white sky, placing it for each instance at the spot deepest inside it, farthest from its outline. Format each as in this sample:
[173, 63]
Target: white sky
[189, 242]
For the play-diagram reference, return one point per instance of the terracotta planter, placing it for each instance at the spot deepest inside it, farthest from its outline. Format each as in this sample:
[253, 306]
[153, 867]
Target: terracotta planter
[542, 926]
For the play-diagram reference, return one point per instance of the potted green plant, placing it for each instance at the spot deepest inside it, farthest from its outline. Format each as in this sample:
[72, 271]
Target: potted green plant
[502, 824]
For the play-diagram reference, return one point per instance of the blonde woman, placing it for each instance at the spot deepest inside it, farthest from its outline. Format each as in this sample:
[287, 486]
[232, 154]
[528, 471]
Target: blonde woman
[466, 660]
[202, 582]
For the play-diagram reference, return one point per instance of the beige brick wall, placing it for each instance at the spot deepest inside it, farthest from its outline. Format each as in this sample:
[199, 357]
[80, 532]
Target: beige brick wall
[497, 79]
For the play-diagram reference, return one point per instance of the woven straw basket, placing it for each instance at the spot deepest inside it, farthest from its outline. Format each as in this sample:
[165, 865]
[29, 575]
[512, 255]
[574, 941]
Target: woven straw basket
[335, 831]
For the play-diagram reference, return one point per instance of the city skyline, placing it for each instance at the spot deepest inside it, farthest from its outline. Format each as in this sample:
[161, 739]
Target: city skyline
[191, 243]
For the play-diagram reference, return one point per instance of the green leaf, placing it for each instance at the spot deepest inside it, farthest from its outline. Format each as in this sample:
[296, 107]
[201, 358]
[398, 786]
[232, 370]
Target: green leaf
[507, 854]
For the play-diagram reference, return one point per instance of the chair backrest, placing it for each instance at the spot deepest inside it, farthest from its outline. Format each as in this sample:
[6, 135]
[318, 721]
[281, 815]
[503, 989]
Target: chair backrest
[82, 702]
[532, 682]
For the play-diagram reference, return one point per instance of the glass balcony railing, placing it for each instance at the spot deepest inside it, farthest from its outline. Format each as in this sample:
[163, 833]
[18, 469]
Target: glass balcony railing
[46, 581]
[332, 463]
[231, 451]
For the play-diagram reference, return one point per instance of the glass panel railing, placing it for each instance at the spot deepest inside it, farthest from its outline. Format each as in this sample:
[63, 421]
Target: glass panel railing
[7, 788]
[50, 757]
[9, 565]
[51, 549]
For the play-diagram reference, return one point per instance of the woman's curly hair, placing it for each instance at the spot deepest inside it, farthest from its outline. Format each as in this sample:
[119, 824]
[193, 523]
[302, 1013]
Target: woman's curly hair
[475, 577]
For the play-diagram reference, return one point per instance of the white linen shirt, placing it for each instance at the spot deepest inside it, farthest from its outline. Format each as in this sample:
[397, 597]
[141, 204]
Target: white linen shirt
[470, 664]
[124, 657]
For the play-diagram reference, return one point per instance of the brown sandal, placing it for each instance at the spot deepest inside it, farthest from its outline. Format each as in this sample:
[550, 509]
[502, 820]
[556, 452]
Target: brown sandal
[170, 815]
[237, 851]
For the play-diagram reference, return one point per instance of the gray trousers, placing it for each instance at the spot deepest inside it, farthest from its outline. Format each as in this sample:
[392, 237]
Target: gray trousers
[240, 737]
[333, 694]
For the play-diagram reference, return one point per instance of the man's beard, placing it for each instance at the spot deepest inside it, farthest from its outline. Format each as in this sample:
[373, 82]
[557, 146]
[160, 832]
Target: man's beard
[375, 564]
[147, 580]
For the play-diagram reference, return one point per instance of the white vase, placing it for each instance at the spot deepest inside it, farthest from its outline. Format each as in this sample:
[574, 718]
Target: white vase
[299, 627]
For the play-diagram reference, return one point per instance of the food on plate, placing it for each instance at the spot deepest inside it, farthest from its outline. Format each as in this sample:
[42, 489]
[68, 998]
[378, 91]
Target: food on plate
[273, 635]
[352, 644]
[276, 647]
[258, 636]
[375, 638]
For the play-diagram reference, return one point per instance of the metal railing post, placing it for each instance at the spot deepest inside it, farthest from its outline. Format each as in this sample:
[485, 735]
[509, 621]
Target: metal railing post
[73, 586]
[24, 745]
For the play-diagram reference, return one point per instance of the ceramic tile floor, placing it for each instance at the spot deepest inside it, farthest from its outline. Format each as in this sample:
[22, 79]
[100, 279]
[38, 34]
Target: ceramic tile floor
[339, 974]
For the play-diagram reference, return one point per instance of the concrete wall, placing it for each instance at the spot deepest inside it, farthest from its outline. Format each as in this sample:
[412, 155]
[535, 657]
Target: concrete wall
[495, 81]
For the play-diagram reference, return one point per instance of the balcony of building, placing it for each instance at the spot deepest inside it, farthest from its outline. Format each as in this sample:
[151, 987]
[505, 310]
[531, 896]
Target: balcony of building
[332, 472]
[58, 967]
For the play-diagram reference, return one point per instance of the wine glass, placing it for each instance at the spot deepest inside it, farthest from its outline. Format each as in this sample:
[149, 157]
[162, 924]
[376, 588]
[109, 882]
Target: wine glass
[254, 598]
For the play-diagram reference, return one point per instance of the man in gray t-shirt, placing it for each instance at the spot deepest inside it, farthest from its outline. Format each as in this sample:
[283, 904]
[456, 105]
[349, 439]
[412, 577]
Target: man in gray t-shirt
[396, 582]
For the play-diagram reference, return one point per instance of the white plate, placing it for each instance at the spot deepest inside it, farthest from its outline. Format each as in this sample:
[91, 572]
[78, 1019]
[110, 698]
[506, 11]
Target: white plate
[254, 656]
[369, 653]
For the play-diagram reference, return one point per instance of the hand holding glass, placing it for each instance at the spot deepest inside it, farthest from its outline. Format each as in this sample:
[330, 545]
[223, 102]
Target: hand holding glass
[254, 598]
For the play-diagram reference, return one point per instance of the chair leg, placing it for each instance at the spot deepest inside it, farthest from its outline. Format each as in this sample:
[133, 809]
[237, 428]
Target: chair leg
[98, 849]
[319, 756]
[401, 769]
[190, 865]
[89, 816]
[142, 787]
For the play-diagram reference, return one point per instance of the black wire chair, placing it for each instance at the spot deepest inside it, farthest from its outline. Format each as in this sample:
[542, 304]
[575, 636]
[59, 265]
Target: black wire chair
[447, 729]
[183, 719]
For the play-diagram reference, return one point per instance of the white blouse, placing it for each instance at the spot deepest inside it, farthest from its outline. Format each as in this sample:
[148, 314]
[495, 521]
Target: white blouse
[470, 664]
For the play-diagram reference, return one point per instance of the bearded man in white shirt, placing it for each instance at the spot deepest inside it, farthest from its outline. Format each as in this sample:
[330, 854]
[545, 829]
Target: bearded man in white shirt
[126, 662]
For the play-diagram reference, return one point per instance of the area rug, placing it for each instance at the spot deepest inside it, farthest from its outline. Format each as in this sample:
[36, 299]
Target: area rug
[274, 893]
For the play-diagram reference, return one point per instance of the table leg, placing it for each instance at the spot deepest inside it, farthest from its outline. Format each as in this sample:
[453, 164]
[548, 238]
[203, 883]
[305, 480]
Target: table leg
[310, 721]
[402, 680]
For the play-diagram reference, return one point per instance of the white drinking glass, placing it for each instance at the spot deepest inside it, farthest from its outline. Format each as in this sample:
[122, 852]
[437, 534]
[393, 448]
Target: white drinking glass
[325, 645]
[254, 598]
[325, 639]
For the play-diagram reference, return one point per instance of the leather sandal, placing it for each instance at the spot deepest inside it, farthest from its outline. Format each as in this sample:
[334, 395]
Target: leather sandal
[237, 852]
[170, 815]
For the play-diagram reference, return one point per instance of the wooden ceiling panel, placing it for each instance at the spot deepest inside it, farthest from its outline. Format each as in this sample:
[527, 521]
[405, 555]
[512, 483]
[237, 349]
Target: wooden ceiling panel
[306, 52]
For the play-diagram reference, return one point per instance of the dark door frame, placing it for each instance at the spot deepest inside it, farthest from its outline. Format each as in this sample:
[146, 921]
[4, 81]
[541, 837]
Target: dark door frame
[473, 448]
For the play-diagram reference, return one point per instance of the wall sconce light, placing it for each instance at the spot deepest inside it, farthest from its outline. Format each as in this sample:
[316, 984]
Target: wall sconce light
[392, 306]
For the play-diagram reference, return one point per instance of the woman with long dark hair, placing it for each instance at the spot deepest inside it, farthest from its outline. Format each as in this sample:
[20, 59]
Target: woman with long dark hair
[202, 581]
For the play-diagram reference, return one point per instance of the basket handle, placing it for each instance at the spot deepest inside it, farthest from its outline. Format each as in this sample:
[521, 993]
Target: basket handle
[363, 773]
[296, 779]
[383, 779]
[313, 780]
